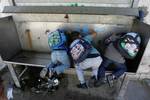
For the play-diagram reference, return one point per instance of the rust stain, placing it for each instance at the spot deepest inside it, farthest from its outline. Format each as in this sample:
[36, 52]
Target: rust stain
[28, 32]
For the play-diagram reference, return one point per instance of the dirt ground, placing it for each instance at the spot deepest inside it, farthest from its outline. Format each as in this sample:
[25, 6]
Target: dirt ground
[67, 91]
[136, 90]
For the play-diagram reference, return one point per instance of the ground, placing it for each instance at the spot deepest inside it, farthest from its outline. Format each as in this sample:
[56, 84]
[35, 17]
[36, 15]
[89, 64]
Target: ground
[135, 90]
[66, 91]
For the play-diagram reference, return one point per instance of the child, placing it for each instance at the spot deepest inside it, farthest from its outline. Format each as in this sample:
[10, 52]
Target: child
[89, 59]
[118, 48]
[59, 57]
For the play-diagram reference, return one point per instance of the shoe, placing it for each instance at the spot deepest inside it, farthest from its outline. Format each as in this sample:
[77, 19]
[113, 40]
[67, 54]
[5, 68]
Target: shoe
[110, 80]
[100, 82]
[43, 72]
[92, 81]
[83, 86]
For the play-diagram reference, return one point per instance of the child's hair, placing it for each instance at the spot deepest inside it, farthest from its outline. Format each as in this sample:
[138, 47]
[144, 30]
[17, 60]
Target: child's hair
[75, 35]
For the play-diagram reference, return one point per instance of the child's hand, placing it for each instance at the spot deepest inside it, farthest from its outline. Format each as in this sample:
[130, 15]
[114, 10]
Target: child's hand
[93, 32]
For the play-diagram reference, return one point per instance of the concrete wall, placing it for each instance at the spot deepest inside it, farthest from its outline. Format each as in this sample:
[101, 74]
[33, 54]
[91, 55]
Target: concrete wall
[145, 3]
[145, 62]
[39, 23]
[144, 67]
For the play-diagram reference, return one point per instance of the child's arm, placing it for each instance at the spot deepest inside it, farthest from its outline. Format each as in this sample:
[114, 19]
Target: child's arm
[93, 33]
[111, 38]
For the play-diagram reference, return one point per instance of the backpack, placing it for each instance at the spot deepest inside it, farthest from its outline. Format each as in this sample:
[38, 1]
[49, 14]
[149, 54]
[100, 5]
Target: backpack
[56, 39]
[79, 50]
[129, 45]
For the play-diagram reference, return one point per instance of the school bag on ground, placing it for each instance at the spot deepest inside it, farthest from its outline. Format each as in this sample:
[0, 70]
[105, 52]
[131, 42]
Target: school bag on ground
[129, 45]
[79, 49]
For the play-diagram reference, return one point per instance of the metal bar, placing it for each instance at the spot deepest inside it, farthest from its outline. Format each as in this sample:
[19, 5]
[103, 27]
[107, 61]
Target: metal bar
[2, 64]
[14, 76]
[134, 4]
[13, 2]
[27, 64]
[72, 10]
[25, 69]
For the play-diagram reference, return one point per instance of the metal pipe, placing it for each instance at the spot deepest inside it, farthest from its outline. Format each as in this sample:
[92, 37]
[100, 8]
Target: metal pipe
[13, 3]
[25, 69]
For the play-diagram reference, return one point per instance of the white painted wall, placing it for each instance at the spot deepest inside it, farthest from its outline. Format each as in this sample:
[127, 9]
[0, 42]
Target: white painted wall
[145, 3]
[144, 66]
[145, 62]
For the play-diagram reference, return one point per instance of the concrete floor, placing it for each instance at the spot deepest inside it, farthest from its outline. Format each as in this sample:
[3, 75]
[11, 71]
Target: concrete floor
[136, 90]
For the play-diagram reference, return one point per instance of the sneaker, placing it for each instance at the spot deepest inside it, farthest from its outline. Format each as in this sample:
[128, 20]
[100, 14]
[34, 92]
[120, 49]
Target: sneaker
[100, 82]
[83, 86]
[43, 72]
[92, 81]
[110, 80]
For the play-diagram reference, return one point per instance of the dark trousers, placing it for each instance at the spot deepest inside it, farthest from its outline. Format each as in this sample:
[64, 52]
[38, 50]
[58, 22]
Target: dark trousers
[120, 68]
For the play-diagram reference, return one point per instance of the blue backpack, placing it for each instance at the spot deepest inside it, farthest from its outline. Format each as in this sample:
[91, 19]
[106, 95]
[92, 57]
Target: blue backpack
[57, 39]
[79, 50]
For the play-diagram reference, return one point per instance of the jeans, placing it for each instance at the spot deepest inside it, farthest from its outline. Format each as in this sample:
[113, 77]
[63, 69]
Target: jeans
[59, 61]
[120, 68]
[93, 63]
